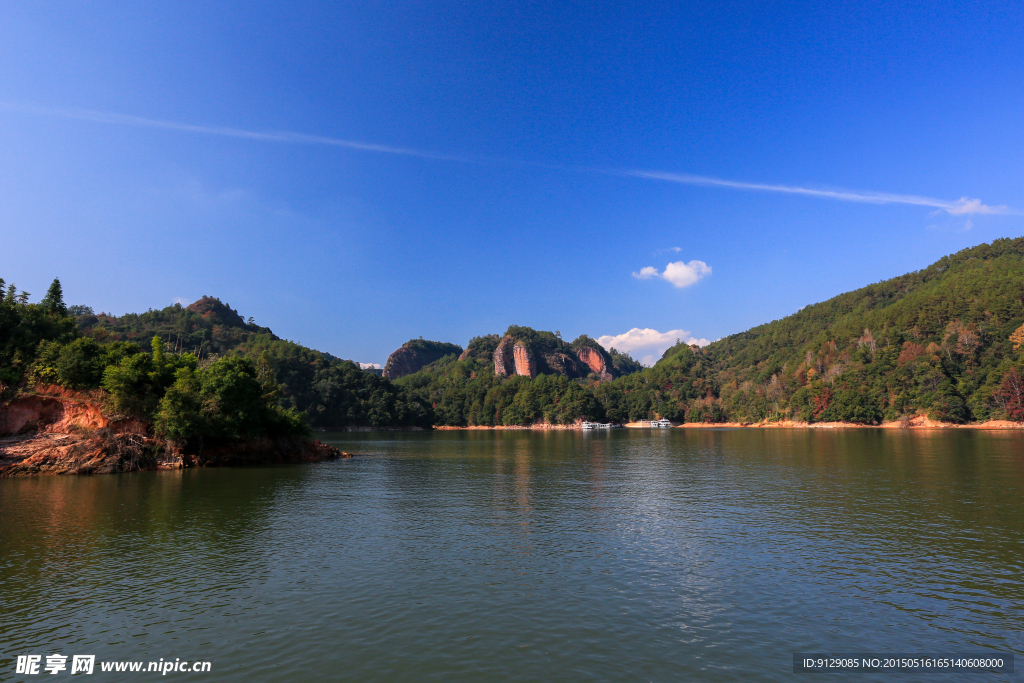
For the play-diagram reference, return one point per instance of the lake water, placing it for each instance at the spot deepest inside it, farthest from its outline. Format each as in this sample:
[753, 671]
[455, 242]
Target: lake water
[633, 555]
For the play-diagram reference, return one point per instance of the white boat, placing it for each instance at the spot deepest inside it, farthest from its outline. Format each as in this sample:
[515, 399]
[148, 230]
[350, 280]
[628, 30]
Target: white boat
[590, 425]
[661, 424]
[600, 425]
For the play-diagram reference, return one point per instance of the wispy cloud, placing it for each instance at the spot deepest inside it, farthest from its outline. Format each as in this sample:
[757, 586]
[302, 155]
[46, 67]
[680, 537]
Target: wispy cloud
[680, 274]
[264, 136]
[962, 206]
[648, 344]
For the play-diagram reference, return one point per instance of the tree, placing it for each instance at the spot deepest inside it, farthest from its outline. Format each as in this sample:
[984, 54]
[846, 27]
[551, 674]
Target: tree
[1017, 337]
[1010, 394]
[180, 415]
[232, 397]
[54, 299]
[130, 386]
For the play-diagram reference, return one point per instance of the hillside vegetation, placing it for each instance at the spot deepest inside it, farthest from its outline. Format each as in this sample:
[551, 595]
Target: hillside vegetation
[943, 341]
[939, 341]
[143, 363]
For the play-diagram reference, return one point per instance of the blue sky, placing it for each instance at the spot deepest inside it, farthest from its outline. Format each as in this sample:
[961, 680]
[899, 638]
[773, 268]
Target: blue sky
[356, 174]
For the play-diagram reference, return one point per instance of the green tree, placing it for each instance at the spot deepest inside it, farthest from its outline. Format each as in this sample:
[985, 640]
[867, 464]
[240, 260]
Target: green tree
[232, 398]
[130, 386]
[180, 414]
[54, 299]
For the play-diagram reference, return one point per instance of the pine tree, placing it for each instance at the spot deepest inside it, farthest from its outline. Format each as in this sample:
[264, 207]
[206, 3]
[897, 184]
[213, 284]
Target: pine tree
[54, 299]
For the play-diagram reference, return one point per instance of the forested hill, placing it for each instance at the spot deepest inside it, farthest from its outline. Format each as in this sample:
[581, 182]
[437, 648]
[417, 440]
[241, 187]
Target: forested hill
[945, 341]
[74, 346]
[933, 341]
[942, 341]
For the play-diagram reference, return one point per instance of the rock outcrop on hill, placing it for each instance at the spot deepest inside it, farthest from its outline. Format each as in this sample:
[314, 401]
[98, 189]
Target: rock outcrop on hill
[595, 361]
[525, 361]
[527, 353]
[504, 361]
[415, 355]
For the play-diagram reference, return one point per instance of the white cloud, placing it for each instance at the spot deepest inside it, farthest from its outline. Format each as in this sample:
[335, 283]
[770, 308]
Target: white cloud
[677, 249]
[648, 344]
[647, 273]
[685, 274]
[964, 205]
[680, 274]
[367, 366]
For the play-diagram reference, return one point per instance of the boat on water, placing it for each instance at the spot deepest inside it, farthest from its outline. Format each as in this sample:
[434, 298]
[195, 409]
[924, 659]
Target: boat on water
[661, 424]
[600, 425]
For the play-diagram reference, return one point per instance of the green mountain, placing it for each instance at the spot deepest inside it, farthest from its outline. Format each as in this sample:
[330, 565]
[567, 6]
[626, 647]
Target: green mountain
[935, 342]
[40, 344]
[943, 341]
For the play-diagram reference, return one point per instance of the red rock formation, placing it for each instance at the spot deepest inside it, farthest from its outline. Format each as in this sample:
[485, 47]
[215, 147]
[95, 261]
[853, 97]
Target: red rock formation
[504, 363]
[526, 365]
[595, 361]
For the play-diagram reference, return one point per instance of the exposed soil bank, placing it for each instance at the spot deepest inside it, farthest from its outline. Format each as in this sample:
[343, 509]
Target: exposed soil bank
[919, 422]
[58, 431]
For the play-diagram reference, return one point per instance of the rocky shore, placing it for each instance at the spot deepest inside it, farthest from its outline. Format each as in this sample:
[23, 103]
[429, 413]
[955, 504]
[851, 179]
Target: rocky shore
[52, 430]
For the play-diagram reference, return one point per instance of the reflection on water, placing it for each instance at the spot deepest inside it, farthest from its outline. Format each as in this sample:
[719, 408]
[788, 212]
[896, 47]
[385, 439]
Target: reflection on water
[459, 556]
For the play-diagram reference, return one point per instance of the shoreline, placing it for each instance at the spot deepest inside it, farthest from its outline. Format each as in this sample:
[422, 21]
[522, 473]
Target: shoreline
[917, 423]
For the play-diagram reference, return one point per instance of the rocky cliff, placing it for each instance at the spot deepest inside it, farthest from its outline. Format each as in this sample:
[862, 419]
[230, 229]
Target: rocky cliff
[527, 353]
[504, 361]
[416, 354]
[595, 362]
[525, 361]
